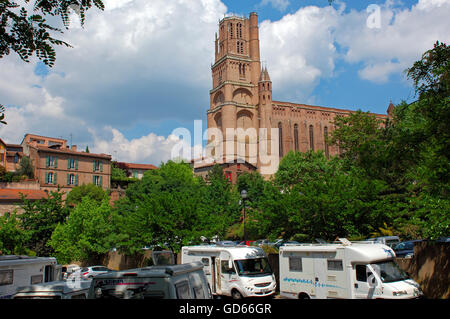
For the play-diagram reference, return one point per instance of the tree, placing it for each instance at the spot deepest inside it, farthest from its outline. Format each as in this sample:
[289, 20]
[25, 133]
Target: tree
[26, 167]
[13, 238]
[222, 202]
[2, 114]
[87, 235]
[170, 207]
[26, 34]
[40, 219]
[315, 197]
[76, 195]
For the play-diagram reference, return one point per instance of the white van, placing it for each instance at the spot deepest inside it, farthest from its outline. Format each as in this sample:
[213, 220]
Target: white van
[236, 271]
[54, 290]
[343, 270]
[185, 281]
[17, 271]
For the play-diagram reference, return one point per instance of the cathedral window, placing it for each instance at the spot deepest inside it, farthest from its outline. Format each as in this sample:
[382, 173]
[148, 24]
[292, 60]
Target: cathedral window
[325, 133]
[311, 137]
[280, 139]
[231, 30]
[296, 137]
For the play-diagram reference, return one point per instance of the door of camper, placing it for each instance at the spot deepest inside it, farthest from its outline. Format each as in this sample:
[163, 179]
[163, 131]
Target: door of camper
[216, 284]
[320, 273]
[364, 286]
[227, 273]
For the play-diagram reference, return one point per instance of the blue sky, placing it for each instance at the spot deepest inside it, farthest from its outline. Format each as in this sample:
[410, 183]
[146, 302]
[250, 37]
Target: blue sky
[141, 69]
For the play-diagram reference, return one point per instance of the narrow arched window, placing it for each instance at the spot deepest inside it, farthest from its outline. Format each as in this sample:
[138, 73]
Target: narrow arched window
[231, 30]
[311, 137]
[325, 133]
[280, 139]
[296, 137]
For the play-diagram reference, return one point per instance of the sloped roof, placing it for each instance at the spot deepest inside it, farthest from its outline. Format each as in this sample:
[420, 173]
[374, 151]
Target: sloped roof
[15, 194]
[69, 151]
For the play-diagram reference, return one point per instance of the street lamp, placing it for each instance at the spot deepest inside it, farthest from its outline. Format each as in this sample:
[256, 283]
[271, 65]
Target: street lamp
[244, 197]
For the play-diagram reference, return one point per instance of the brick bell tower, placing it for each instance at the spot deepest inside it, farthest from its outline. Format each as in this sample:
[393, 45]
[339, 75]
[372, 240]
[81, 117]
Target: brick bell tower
[236, 81]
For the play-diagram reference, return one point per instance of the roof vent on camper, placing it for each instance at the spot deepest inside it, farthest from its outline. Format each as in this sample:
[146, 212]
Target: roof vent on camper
[345, 241]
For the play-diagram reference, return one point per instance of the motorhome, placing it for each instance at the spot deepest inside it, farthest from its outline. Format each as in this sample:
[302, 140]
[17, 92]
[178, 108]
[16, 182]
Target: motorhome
[345, 269]
[185, 281]
[54, 290]
[17, 271]
[236, 271]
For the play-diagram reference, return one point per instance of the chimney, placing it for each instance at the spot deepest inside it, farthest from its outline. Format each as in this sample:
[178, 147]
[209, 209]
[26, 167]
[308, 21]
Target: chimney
[74, 148]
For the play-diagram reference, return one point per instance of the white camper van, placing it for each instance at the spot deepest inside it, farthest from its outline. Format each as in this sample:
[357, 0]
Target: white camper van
[54, 290]
[17, 271]
[185, 281]
[236, 271]
[343, 270]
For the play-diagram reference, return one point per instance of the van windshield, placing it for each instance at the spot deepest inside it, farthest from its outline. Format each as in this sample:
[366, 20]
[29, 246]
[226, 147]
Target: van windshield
[253, 267]
[389, 271]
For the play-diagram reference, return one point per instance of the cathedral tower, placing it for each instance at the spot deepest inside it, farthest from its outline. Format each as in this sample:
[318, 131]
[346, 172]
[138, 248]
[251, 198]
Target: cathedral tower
[236, 72]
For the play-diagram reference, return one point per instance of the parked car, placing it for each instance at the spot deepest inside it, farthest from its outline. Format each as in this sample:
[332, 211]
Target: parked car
[405, 249]
[284, 242]
[443, 240]
[89, 272]
[390, 241]
[247, 243]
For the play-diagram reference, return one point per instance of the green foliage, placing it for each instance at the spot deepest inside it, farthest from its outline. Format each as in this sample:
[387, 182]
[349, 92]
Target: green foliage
[26, 34]
[78, 193]
[315, 197]
[26, 167]
[170, 207]
[13, 238]
[2, 115]
[87, 234]
[40, 219]
[117, 174]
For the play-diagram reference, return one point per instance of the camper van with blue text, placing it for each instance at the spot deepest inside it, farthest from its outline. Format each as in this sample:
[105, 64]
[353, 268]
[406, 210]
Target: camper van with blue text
[348, 270]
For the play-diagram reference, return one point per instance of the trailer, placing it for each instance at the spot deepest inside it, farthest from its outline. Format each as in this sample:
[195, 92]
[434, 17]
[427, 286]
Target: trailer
[348, 270]
[17, 271]
[236, 271]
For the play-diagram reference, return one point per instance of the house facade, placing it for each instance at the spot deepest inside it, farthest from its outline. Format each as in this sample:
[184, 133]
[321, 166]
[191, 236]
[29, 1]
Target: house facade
[57, 165]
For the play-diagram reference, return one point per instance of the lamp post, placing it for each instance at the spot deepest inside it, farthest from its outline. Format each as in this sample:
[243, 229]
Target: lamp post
[244, 197]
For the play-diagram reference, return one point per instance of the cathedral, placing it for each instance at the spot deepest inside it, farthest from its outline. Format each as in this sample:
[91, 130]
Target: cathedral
[243, 114]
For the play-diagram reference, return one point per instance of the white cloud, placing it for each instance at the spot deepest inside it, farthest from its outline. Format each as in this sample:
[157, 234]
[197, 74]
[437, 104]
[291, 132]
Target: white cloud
[404, 34]
[299, 50]
[150, 148]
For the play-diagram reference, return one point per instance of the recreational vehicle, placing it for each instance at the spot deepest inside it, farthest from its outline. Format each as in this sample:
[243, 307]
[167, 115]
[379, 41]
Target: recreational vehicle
[185, 281]
[17, 271]
[54, 290]
[343, 270]
[236, 271]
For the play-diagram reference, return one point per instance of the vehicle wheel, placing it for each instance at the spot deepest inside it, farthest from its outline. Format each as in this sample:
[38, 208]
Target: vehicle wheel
[303, 296]
[236, 294]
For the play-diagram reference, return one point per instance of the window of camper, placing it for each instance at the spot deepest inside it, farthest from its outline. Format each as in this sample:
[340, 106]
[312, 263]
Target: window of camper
[6, 277]
[36, 279]
[182, 289]
[295, 264]
[361, 273]
[335, 264]
[225, 269]
[205, 261]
